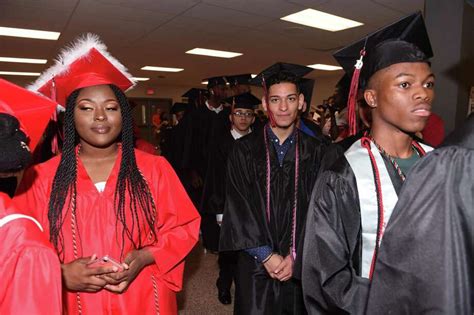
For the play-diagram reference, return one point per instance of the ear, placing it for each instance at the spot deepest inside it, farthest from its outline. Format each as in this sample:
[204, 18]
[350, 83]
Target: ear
[230, 118]
[370, 97]
[301, 102]
[253, 119]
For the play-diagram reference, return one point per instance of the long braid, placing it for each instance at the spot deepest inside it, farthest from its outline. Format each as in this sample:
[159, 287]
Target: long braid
[64, 183]
[132, 183]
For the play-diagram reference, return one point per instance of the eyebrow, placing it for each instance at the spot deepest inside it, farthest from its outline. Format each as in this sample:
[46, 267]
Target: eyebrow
[403, 74]
[295, 94]
[90, 100]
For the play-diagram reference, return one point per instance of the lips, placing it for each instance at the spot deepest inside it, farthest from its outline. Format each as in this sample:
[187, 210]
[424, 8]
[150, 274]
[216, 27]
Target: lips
[423, 110]
[101, 129]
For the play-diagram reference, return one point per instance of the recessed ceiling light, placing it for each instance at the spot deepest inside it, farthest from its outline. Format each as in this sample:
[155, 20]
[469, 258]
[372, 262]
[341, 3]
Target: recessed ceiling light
[140, 79]
[204, 82]
[213, 53]
[253, 75]
[321, 20]
[23, 60]
[319, 66]
[30, 74]
[26, 33]
[164, 69]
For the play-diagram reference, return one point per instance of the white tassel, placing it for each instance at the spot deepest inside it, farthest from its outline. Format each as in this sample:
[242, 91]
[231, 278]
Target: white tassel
[79, 48]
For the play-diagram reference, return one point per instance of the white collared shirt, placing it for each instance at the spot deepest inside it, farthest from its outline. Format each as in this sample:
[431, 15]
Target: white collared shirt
[237, 135]
[215, 110]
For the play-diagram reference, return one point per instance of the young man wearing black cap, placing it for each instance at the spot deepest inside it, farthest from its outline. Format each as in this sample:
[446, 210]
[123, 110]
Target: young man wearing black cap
[202, 128]
[270, 174]
[242, 117]
[353, 200]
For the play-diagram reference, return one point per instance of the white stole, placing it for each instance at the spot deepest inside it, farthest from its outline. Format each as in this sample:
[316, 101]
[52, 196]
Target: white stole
[359, 160]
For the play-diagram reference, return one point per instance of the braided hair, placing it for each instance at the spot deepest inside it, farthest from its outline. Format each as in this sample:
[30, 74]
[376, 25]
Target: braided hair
[130, 182]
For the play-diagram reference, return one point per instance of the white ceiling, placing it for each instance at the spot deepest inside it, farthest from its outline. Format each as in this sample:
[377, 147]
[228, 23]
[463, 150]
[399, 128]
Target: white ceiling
[158, 32]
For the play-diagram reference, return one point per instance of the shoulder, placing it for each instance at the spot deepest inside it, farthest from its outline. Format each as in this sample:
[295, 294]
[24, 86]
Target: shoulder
[150, 164]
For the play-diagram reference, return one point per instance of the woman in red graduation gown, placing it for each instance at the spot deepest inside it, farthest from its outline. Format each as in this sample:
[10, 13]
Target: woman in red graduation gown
[101, 197]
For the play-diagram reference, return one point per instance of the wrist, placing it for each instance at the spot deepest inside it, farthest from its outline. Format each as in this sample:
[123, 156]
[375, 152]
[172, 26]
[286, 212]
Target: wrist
[267, 258]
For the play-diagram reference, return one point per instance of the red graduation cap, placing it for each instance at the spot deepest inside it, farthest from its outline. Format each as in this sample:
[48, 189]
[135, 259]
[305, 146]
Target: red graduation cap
[31, 109]
[85, 62]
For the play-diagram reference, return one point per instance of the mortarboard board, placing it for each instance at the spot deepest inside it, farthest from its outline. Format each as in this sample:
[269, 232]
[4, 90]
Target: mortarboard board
[85, 62]
[31, 109]
[195, 96]
[403, 41]
[216, 81]
[240, 79]
[298, 71]
[178, 107]
[245, 101]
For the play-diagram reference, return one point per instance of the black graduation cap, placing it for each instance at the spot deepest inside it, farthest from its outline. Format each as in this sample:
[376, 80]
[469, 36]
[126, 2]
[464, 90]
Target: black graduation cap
[245, 101]
[194, 93]
[215, 81]
[178, 107]
[298, 71]
[239, 79]
[403, 41]
[306, 88]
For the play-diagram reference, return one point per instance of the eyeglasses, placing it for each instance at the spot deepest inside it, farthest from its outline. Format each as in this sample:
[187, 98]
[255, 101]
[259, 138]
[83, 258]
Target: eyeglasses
[242, 114]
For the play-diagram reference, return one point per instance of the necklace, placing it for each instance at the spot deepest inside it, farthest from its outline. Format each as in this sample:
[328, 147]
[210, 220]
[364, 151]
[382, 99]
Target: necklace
[295, 200]
[393, 159]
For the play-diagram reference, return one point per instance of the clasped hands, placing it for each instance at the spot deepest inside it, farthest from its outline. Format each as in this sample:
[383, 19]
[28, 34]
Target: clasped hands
[78, 276]
[279, 267]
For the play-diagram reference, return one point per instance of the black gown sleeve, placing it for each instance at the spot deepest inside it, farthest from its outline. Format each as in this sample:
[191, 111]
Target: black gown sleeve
[331, 284]
[426, 259]
[243, 226]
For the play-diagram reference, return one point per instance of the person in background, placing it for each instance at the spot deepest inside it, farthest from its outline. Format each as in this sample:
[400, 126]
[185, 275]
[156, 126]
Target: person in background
[242, 117]
[29, 265]
[353, 199]
[270, 174]
[119, 218]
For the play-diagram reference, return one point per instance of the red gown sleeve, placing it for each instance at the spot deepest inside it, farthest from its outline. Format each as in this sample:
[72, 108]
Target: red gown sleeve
[178, 226]
[30, 269]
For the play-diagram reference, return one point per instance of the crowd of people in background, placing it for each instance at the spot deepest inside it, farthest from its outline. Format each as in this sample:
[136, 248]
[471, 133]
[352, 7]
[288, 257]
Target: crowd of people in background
[353, 206]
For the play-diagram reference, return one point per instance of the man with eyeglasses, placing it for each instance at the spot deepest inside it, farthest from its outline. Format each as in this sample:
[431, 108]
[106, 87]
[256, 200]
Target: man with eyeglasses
[241, 118]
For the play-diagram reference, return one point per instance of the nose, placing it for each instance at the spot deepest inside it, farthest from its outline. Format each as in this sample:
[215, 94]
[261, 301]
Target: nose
[422, 93]
[100, 115]
[284, 105]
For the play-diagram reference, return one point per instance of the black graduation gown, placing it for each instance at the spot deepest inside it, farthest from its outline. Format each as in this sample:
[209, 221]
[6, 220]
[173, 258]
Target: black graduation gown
[245, 224]
[203, 130]
[332, 253]
[214, 186]
[426, 259]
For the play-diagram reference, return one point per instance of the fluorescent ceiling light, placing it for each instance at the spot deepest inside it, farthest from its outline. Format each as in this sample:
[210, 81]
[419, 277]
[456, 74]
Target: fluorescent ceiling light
[322, 20]
[319, 66]
[253, 75]
[140, 79]
[204, 82]
[26, 33]
[163, 69]
[213, 53]
[30, 74]
[23, 60]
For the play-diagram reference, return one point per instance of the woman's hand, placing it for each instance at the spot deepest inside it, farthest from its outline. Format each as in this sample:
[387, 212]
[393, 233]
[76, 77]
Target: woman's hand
[79, 277]
[134, 262]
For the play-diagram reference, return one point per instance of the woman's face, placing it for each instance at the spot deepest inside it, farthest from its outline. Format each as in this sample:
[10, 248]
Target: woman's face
[97, 116]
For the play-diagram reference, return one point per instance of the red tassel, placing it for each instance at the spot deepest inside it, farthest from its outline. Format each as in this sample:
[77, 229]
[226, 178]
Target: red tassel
[352, 99]
[265, 93]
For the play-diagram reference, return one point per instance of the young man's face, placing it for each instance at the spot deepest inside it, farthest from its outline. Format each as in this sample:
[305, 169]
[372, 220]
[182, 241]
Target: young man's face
[284, 102]
[401, 96]
[242, 119]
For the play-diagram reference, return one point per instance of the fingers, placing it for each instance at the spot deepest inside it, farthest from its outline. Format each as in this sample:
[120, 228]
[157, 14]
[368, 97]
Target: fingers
[116, 278]
[102, 270]
[120, 288]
